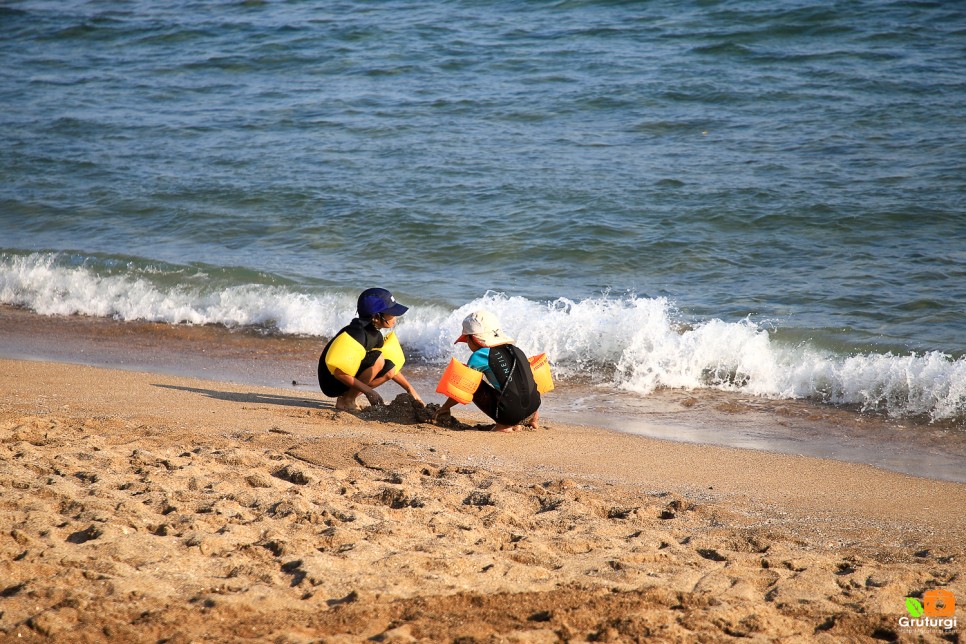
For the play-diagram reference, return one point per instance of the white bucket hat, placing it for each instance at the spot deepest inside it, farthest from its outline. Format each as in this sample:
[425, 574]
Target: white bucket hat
[485, 329]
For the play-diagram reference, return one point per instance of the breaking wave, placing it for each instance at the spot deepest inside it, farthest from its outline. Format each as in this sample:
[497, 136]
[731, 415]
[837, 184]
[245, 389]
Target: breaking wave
[632, 343]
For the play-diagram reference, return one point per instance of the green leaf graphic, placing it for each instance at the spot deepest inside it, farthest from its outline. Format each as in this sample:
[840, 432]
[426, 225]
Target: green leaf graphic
[913, 606]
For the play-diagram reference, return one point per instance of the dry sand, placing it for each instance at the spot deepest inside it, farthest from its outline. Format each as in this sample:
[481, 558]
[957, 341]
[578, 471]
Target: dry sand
[138, 507]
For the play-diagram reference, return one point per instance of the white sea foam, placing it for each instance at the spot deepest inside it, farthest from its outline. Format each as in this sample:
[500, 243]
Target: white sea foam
[42, 282]
[639, 345]
[632, 343]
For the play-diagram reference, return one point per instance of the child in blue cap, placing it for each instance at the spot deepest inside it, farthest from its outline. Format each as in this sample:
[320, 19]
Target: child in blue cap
[365, 353]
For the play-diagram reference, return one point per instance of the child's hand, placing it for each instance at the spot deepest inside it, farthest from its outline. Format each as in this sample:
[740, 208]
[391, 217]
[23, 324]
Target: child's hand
[374, 398]
[441, 414]
[419, 401]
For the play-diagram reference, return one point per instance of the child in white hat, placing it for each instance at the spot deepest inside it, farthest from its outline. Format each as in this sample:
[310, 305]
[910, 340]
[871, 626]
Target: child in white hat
[507, 392]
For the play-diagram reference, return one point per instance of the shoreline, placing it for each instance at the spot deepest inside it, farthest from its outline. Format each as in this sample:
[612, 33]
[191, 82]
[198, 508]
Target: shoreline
[143, 506]
[706, 417]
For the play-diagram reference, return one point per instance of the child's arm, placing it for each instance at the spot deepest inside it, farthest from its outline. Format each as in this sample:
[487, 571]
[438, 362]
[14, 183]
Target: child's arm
[354, 383]
[400, 380]
[443, 410]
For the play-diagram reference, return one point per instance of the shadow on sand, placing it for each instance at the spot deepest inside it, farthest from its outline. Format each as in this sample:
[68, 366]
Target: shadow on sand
[254, 398]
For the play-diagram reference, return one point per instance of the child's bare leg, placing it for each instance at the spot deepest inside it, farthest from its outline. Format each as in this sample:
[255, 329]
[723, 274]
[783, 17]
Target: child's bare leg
[532, 420]
[347, 401]
[382, 379]
[371, 380]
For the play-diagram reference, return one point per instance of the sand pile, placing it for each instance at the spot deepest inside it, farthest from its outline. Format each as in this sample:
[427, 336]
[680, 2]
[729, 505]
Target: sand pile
[405, 411]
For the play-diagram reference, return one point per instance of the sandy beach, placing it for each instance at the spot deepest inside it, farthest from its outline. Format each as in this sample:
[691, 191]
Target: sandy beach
[735, 231]
[143, 507]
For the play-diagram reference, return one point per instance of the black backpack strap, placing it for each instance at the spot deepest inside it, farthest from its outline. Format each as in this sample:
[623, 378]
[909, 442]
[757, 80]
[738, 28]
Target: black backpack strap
[519, 397]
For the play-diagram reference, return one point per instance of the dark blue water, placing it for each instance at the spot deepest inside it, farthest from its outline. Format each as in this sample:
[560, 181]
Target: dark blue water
[762, 196]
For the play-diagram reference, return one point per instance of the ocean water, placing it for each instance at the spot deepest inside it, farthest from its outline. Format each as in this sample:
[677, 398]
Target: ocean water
[764, 198]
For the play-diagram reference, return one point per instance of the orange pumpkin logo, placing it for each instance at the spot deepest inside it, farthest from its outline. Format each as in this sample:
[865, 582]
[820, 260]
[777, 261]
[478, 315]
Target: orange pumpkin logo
[938, 603]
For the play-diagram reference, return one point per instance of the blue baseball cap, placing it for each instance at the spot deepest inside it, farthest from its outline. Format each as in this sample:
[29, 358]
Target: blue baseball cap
[374, 301]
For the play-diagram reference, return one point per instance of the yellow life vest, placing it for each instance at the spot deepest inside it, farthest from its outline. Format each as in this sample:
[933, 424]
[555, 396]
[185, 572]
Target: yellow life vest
[345, 354]
[391, 350]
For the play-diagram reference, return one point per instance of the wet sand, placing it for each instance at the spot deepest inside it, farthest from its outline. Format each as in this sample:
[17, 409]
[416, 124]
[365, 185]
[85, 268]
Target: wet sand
[150, 507]
[704, 417]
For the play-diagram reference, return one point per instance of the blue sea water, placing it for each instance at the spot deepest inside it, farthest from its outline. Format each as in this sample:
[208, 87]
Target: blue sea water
[760, 197]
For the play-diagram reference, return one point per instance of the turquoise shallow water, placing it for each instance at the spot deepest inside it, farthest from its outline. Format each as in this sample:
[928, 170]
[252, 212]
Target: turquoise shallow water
[763, 197]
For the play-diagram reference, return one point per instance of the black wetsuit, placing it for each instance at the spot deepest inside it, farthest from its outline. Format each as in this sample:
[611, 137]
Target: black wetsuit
[369, 337]
[517, 398]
